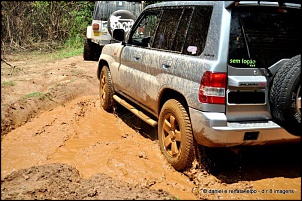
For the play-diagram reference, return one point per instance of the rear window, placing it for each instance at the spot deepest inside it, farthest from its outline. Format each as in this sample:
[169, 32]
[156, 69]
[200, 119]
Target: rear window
[261, 36]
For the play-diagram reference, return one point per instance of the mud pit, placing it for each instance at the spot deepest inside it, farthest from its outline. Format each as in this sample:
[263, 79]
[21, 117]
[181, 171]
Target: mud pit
[59, 144]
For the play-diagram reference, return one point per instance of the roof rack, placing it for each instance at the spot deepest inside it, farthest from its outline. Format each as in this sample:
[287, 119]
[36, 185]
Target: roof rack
[284, 3]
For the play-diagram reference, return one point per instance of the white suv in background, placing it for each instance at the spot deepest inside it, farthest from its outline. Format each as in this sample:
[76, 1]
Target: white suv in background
[107, 16]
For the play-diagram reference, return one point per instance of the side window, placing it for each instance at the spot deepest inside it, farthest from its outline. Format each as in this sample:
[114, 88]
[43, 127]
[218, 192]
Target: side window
[198, 30]
[182, 30]
[144, 31]
[167, 29]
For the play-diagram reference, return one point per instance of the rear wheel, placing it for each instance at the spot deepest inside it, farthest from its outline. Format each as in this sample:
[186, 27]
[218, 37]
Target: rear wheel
[175, 135]
[87, 54]
[92, 51]
[106, 89]
[285, 96]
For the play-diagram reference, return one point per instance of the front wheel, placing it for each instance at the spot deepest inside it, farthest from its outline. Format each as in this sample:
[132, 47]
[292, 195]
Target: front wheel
[175, 135]
[106, 89]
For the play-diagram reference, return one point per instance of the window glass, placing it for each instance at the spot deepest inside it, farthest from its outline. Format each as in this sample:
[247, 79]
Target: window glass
[167, 29]
[182, 30]
[143, 33]
[260, 37]
[198, 30]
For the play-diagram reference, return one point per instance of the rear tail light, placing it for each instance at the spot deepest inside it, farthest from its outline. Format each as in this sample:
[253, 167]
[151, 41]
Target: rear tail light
[95, 27]
[212, 88]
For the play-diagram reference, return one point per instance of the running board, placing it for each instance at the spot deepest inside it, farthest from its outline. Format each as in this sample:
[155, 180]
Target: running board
[135, 111]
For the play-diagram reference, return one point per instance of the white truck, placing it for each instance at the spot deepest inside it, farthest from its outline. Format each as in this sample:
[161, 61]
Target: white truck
[107, 16]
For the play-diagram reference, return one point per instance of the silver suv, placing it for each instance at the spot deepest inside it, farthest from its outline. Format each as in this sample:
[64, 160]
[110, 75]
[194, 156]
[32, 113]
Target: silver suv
[218, 73]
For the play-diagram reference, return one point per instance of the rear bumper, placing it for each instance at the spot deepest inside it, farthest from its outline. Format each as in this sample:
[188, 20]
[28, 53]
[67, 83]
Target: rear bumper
[102, 40]
[212, 129]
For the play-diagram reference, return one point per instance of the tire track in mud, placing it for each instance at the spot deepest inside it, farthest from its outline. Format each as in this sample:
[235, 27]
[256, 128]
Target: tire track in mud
[58, 82]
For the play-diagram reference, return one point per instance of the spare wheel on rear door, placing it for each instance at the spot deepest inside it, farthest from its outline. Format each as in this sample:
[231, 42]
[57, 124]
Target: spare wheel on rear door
[285, 96]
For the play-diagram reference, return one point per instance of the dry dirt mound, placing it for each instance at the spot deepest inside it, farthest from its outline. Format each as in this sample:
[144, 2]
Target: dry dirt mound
[31, 85]
[63, 182]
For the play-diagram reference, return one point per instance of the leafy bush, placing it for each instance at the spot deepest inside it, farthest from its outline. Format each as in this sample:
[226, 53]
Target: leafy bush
[44, 25]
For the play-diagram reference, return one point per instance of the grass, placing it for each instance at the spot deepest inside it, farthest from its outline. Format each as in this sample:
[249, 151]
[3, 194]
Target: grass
[41, 57]
[66, 53]
[8, 83]
[59, 54]
[41, 95]
[72, 47]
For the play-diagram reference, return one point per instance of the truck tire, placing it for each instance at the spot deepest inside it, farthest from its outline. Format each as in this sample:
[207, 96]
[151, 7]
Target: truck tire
[175, 135]
[106, 90]
[285, 96]
[88, 50]
[97, 52]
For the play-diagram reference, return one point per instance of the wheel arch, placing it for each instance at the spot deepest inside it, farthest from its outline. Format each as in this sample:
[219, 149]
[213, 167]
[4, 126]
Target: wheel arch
[167, 94]
[100, 66]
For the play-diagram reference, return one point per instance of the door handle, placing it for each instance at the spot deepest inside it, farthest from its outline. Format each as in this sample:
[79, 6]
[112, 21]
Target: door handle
[165, 66]
[136, 58]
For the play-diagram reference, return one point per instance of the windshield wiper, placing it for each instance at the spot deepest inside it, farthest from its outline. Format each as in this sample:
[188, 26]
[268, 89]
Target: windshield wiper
[244, 36]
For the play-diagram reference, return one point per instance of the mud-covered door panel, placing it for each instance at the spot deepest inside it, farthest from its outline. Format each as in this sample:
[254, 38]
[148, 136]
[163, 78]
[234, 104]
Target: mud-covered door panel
[129, 70]
[132, 72]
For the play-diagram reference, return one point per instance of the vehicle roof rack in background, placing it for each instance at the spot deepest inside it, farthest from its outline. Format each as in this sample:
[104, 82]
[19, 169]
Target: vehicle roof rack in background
[285, 3]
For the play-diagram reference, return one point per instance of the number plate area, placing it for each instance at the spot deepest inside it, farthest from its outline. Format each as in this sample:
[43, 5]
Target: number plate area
[246, 97]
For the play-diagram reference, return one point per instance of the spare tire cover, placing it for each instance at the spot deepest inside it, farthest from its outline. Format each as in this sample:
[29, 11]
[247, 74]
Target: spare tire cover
[121, 19]
[285, 96]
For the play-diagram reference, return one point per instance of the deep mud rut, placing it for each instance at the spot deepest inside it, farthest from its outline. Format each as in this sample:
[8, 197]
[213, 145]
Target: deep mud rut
[64, 146]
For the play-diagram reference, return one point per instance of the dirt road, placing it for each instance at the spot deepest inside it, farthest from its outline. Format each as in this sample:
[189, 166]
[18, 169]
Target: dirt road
[57, 143]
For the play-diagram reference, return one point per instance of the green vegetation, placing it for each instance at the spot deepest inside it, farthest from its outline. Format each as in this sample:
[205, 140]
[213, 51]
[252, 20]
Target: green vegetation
[44, 25]
[41, 95]
[8, 83]
[66, 52]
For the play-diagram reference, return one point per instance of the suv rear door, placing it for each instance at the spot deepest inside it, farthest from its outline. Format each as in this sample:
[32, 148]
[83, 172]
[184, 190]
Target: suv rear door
[261, 40]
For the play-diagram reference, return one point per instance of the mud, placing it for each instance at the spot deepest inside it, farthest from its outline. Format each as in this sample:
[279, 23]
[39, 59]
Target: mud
[63, 145]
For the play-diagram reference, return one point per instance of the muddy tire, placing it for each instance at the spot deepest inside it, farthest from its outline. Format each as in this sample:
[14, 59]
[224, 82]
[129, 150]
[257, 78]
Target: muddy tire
[88, 52]
[106, 90]
[285, 96]
[175, 135]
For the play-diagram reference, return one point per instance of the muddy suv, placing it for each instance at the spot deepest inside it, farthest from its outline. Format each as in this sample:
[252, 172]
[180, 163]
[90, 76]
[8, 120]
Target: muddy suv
[209, 73]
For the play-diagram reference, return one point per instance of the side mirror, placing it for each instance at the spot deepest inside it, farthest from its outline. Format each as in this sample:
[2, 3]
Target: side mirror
[118, 34]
